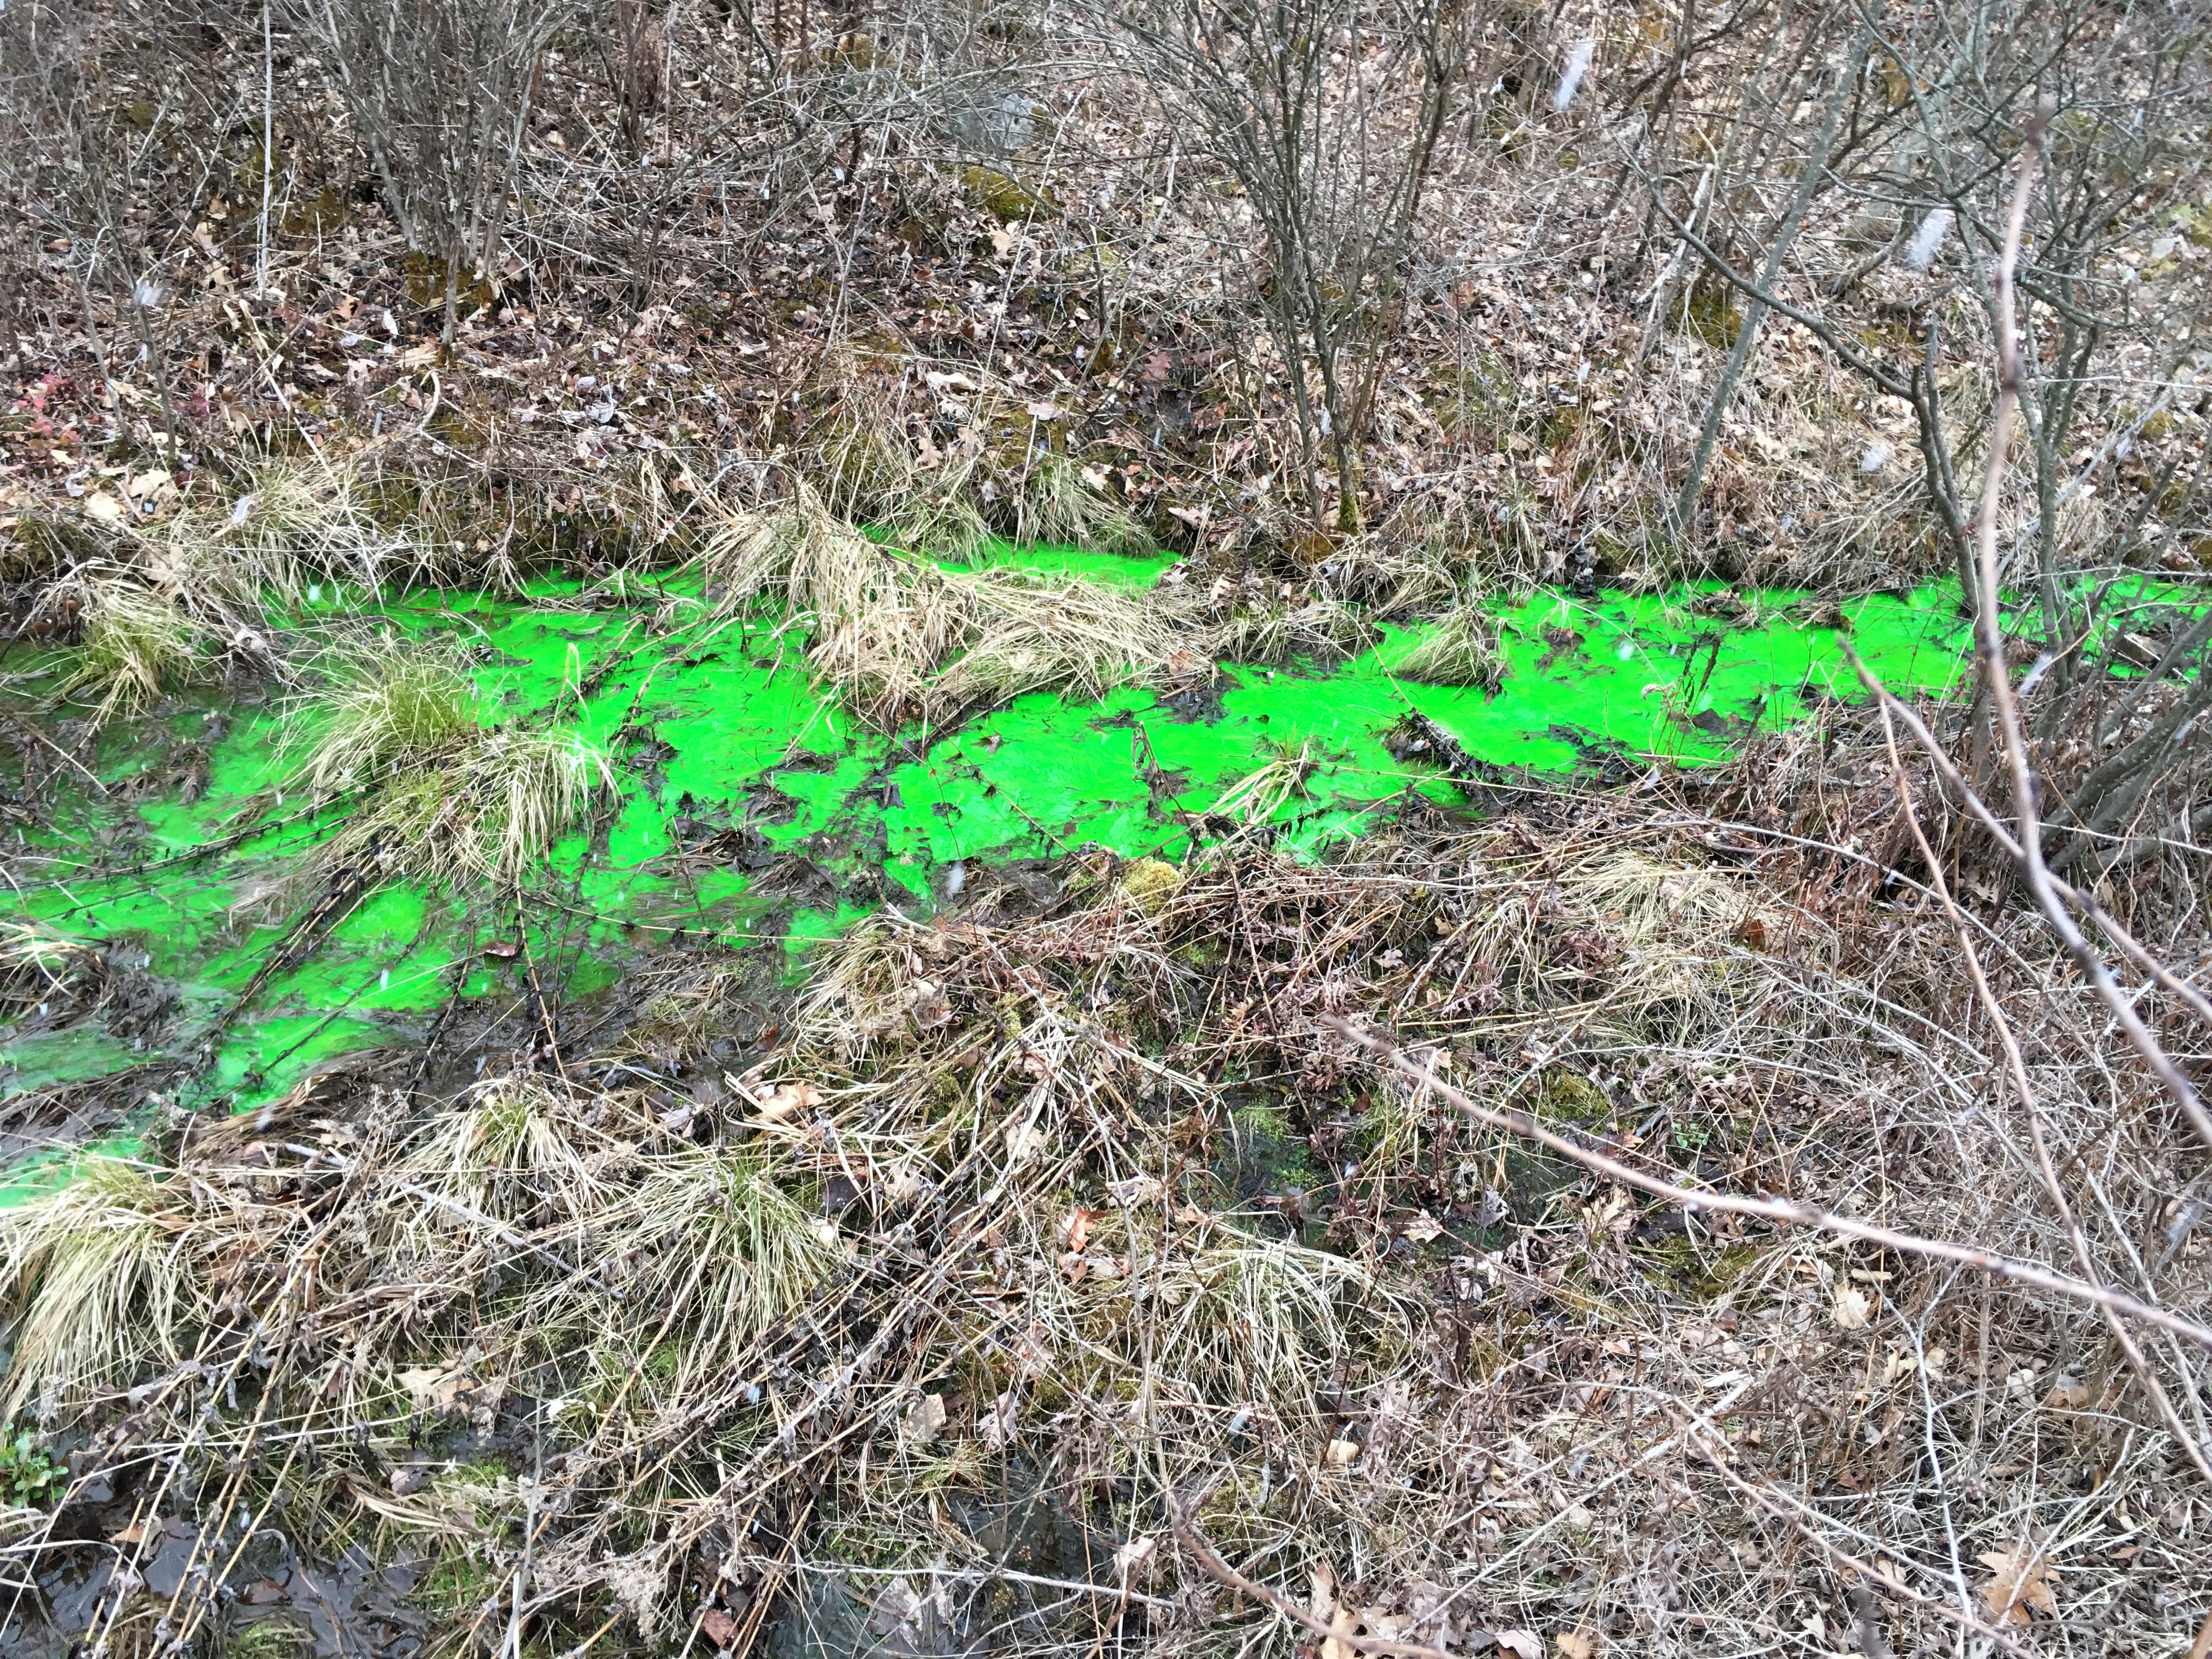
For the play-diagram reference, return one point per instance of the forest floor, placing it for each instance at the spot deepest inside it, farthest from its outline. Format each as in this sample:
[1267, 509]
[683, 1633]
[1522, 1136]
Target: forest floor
[1206, 1230]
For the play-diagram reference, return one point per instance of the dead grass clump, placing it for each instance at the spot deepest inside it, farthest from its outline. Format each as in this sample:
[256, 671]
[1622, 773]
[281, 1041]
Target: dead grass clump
[41, 966]
[392, 705]
[904, 641]
[1462, 648]
[135, 646]
[1438, 545]
[723, 1249]
[509, 1151]
[100, 1284]
[444, 795]
[1255, 799]
[1052, 504]
[1082, 639]
[870, 475]
[862, 987]
[941, 525]
[298, 532]
[492, 806]
[1322, 630]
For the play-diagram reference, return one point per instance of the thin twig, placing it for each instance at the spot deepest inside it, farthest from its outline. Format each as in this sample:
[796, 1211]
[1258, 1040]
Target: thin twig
[1782, 1211]
[1196, 1543]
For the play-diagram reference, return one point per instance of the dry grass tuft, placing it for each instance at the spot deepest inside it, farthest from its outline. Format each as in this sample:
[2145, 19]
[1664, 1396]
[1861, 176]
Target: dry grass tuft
[1322, 628]
[41, 965]
[135, 646]
[298, 531]
[1462, 648]
[391, 706]
[904, 641]
[100, 1284]
[445, 795]
[1054, 505]
[491, 805]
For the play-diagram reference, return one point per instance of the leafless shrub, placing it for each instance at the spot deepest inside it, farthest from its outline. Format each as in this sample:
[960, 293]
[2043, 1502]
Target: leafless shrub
[108, 116]
[1327, 114]
[439, 97]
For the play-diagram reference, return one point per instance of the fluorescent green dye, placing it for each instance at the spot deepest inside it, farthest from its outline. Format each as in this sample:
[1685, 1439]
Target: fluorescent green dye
[52, 1058]
[730, 760]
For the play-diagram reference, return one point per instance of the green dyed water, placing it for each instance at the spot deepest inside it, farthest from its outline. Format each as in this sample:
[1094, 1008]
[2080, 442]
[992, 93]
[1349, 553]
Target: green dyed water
[751, 809]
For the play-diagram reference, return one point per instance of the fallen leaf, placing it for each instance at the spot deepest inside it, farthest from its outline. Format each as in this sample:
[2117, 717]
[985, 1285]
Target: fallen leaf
[905, 1185]
[1133, 1555]
[717, 1626]
[454, 1393]
[1136, 1191]
[431, 1390]
[897, 1612]
[2203, 1647]
[2018, 1581]
[134, 1532]
[104, 507]
[1421, 1228]
[1573, 1645]
[781, 1102]
[1852, 1310]
[928, 1005]
[924, 1419]
[408, 1479]
[1324, 1608]
[998, 1423]
[1522, 1644]
[1075, 1230]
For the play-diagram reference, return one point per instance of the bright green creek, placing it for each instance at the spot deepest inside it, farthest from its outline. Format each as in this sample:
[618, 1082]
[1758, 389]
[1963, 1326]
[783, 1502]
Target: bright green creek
[717, 724]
